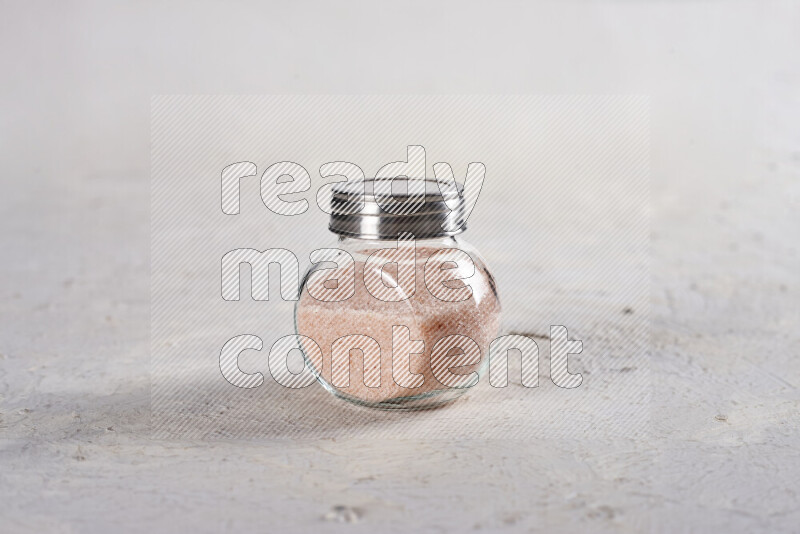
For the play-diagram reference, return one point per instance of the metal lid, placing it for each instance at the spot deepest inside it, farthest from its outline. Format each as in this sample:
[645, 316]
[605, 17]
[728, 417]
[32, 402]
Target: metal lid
[386, 208]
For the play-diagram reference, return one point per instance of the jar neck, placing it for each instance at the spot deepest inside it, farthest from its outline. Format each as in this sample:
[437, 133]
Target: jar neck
[433, 242]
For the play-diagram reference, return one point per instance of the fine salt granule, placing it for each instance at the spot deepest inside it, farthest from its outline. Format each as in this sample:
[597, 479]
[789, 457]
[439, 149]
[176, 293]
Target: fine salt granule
[428, 319]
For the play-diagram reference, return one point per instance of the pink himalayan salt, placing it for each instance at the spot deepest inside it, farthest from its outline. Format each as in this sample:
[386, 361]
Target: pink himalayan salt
[428, 319]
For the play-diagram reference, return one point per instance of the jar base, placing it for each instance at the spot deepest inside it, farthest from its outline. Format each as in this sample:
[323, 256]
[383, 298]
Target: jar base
[424, 401]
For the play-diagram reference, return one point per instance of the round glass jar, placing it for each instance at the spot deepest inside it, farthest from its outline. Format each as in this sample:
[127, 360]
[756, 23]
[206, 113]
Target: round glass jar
[400, 312]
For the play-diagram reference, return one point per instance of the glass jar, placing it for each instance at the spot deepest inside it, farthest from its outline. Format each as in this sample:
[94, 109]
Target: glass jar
[399, 314]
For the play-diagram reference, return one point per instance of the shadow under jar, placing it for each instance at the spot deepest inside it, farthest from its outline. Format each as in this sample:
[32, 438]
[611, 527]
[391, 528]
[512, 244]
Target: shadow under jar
[399, 313]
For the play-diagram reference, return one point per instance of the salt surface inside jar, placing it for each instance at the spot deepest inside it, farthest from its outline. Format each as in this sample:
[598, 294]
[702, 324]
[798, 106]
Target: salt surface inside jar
[400, 314]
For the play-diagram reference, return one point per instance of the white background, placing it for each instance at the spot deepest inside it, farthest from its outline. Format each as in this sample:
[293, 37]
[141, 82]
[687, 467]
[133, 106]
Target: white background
[724, 83]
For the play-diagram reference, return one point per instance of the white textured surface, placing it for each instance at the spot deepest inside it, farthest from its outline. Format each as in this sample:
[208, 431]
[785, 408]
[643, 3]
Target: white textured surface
[723, 453]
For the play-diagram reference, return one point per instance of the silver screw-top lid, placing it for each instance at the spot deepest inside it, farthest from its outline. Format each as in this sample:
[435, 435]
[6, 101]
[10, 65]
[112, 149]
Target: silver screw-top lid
[386, 208]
